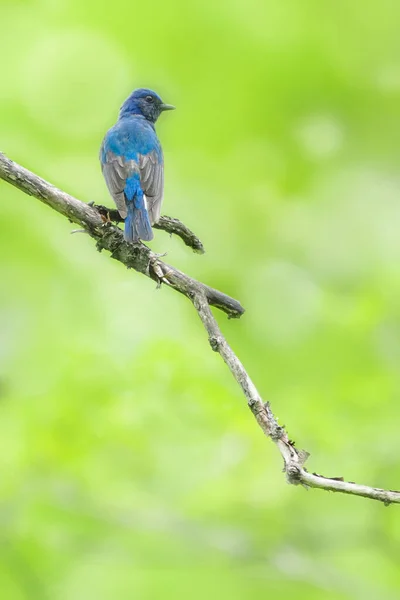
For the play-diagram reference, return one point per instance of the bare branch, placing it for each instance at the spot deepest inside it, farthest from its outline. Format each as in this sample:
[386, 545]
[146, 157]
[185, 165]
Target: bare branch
[168, 224]
[109, 237]
[293, 458]
[140, 258]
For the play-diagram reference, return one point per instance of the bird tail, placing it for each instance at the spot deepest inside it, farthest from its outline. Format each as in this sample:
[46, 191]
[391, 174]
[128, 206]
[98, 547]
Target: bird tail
[137, 223]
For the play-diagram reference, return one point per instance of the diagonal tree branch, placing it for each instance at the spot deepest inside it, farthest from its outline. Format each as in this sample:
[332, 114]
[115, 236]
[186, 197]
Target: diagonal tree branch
[140, 258]
[293, 458]
[168, 224]
[109, 237]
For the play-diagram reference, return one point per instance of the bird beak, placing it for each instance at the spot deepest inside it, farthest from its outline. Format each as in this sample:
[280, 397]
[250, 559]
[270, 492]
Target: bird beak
[167, 107]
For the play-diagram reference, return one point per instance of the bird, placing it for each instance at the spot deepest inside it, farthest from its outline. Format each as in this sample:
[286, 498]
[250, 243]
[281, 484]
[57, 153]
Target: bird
[132, 164]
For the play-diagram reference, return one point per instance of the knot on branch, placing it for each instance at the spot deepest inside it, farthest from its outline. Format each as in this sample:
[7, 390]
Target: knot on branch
[215, 342]
[277, 432]
[293, 473]
[158, 271]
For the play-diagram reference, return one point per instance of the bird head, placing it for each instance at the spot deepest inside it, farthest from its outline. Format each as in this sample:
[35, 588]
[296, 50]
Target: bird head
[146, 103]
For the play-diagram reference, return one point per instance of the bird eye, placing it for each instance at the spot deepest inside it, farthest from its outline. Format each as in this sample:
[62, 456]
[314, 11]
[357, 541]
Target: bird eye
[149, 99]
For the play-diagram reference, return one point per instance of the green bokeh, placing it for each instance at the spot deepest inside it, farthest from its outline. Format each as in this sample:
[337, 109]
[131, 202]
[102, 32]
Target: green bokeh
[130, 465]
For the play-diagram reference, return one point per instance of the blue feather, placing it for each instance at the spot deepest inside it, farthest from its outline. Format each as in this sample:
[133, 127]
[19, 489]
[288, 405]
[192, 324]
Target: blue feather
[132, 163]
[137, 222]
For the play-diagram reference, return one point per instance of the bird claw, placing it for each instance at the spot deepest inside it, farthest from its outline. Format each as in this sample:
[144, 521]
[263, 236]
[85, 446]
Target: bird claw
[105, 218]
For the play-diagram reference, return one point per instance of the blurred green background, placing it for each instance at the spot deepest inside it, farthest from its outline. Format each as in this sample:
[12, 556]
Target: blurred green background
[130, 465]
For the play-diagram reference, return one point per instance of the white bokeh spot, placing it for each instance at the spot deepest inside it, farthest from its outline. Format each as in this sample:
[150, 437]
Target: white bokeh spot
[320, 136]
[388, 79]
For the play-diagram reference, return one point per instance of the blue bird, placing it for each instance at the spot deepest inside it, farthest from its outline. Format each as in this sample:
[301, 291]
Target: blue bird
[133, 166]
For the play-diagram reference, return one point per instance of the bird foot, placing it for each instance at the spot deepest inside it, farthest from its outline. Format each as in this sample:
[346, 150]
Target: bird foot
[105, 217]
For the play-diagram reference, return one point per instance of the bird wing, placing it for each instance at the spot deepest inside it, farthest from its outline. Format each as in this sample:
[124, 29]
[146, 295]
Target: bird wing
[116, 170]
[152, 181]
